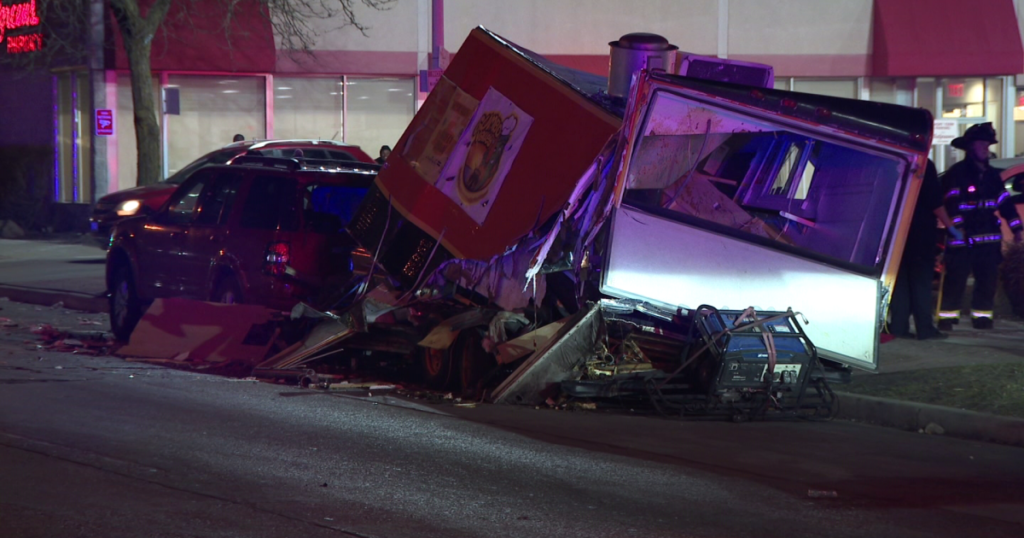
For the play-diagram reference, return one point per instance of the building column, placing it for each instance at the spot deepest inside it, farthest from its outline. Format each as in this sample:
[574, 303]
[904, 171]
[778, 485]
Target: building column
[268, 113]
[723, 28]
[102, 181]
[1007, 146]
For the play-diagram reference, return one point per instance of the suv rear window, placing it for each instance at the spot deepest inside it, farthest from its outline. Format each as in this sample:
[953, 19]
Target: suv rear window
[271, 204]
[309, 153]
[329, 208]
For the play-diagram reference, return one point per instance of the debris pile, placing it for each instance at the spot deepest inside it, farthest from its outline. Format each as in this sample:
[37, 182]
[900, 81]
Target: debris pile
[79, 342]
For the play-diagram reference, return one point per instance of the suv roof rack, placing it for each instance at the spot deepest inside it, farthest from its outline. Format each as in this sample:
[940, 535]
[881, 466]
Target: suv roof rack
[332, 165]
[256, 143]
[311, 141]
[268, 162]
[307, 165]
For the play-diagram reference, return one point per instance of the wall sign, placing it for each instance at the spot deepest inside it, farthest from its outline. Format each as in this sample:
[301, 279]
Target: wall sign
[484, 154]
[15, 16]
[944, 131]
[105, 122]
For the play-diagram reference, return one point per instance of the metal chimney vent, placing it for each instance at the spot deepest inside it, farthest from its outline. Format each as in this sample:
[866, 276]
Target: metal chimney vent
[633, 52]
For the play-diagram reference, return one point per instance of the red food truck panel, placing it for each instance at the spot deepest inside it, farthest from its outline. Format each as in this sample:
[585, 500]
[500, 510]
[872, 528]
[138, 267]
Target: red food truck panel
[495, 150]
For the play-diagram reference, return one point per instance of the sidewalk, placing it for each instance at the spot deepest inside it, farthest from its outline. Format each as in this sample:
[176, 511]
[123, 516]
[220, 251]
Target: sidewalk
[965, 347]
[70, 270]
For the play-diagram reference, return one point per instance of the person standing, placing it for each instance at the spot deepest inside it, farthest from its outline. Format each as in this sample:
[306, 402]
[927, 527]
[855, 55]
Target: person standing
[385, 152]
[974, 192]
[912, 293]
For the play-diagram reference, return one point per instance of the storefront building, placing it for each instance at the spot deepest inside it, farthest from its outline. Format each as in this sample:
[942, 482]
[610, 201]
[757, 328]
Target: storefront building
[960, 63]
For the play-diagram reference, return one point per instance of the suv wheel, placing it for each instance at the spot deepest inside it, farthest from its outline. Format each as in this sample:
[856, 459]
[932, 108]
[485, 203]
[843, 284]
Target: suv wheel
[125, 307]
[474, 363]
[436, 367]
[228, 291]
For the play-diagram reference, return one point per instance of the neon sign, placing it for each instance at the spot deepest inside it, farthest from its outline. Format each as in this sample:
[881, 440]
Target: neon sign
[17, 16]
[956, 90]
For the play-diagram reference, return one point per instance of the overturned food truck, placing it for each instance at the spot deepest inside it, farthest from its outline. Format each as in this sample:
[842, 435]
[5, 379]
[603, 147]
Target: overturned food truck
[699, 241]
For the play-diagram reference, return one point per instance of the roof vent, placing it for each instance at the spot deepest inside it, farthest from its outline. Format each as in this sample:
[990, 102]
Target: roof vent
[633, 52]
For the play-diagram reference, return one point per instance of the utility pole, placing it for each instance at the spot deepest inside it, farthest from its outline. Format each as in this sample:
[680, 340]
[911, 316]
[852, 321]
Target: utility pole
[437, 33]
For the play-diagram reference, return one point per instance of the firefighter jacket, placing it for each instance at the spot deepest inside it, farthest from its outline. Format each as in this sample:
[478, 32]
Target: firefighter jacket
[972, 198]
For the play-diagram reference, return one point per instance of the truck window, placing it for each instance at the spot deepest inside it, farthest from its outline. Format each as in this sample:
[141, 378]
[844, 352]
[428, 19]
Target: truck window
[786, 170]
[800, 189]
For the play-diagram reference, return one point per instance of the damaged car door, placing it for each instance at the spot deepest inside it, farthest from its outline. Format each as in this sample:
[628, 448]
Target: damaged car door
[739, 197]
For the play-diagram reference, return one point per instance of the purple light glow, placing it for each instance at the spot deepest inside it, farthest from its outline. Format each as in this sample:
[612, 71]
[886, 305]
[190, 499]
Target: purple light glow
[74, 138]
[56, 143]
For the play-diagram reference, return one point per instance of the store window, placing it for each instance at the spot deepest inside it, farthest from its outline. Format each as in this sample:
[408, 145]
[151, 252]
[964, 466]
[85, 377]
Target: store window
[892, 91]
[971, 101]
[1018, 123]
[73, 138]
[925, 94]
[213, 110]
[834, 87]
[378, 110]
[308, 108]
[963, 98]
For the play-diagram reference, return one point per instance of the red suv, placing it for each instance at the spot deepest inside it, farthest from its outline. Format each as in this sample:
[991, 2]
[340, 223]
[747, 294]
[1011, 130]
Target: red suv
[267, 231]
[148, 198]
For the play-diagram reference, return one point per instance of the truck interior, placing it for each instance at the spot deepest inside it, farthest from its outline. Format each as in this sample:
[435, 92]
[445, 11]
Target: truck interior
[825, 196]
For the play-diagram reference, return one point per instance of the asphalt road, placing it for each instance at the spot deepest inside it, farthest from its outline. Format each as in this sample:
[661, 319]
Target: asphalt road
[100, 447]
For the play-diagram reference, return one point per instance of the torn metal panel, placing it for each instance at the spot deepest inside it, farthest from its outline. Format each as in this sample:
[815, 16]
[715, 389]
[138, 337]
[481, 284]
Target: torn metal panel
[557, 361]
[325, 335]
[521, 346]
[444, 334]
[560, 247]
[380, 301]
[503, 324]
[202, 332]
[502, 280]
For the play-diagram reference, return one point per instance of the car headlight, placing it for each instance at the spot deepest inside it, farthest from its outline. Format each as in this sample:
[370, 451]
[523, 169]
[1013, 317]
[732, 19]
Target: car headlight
[128, 208]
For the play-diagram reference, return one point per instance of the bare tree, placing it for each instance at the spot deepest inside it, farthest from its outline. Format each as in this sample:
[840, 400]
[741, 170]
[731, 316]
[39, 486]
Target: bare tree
[67, 23]
[292, 23]
[137, 31]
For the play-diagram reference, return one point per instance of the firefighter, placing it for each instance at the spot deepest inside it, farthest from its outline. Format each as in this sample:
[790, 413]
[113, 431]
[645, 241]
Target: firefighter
[974, 191]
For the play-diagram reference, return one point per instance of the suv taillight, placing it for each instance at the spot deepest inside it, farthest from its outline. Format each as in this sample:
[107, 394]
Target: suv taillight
[277, 258]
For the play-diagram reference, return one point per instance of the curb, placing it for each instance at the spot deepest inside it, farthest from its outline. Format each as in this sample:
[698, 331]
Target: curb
[46, 297]
[915, 417]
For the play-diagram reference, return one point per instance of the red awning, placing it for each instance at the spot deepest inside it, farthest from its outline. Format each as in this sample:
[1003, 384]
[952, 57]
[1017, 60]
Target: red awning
[196, 40]
[946, 38]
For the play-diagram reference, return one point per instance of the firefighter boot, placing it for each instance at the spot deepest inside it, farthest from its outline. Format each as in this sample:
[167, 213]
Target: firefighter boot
[945, 325]
[982, 323]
